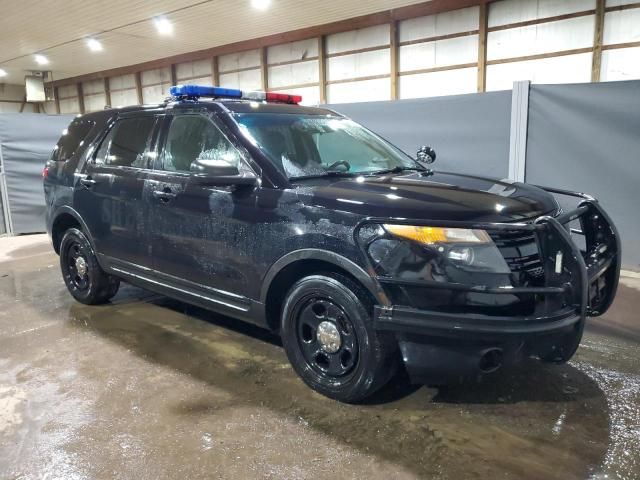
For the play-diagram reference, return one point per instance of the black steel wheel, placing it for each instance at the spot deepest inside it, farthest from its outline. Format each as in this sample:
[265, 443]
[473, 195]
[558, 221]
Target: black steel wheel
[330, 340]
[83, 276]
[326, 337]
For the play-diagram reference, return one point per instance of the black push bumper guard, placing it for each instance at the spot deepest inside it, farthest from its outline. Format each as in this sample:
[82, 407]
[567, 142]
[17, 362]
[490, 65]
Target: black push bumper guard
[589, 278]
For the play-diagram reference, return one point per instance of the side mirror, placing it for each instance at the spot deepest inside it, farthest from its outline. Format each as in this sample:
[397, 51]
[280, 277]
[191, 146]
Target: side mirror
[220, 173]
[426, 154]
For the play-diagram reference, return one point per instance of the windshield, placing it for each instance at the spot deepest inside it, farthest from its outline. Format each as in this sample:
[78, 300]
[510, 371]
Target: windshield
[310, 146]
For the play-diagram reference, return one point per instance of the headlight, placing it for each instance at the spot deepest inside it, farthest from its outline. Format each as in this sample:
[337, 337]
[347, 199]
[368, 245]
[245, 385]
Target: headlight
[433, 235]
[468, 248]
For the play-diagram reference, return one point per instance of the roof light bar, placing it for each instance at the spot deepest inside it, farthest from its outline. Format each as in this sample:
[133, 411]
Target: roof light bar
[197, 91]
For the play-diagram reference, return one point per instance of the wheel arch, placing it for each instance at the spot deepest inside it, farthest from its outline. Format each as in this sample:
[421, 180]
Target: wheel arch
[65, 218]
[300, 263]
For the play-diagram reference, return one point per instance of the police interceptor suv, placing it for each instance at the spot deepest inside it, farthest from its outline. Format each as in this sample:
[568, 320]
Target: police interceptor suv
[300, 220]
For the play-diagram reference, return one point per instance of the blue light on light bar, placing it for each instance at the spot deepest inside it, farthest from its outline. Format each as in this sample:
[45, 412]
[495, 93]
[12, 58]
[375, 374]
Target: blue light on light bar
[203, 91]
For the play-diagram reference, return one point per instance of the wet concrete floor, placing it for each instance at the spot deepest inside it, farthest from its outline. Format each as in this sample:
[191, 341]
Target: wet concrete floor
[148, 387]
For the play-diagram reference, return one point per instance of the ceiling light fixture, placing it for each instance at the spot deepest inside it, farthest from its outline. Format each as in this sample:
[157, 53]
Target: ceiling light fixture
[3, 73]
[94, 45]
[163, 25]
[260, 4]
[41, 59]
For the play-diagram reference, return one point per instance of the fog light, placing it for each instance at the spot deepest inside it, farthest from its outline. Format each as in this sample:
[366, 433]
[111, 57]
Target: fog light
[461, 254]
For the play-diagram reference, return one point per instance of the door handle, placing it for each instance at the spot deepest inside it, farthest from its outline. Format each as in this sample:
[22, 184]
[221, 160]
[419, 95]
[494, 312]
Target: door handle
[164, 195]
[88, 182]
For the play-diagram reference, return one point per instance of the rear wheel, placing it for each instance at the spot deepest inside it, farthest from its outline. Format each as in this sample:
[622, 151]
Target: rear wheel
[83, 276]
[330, 341]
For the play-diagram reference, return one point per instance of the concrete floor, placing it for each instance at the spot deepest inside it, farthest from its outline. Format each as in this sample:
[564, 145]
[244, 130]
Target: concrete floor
[147, 387]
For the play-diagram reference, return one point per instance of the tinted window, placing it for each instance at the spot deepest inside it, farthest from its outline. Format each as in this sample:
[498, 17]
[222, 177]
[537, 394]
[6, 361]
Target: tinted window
[195, 137]
[71, 138]
[126, 145]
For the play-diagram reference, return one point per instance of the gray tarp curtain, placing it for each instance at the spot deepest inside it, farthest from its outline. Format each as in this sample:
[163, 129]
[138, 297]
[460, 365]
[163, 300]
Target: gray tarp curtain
[470, 133]
[26, 141]
[586, 137]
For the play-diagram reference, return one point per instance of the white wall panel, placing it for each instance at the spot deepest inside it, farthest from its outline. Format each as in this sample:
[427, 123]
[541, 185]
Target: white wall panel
[236, 61]
[158, 75]
[122, 81]
[440, 53]
[463, 20]
[293, 51]
[155, 93]
[198, 68]
[246, 80]
[123, 98]
[622, 26]
[94, 86]
[356, 39]
[513, 11]
[617, 3]
[208, 80]
[69, 105]
[359, 65]
[565, 69]
[310, 95]
[433, 84]
[620, 64]
[13, 107]
[93, 103]
[293, 74]
[362, 91]
[67, 91]
[541, 38]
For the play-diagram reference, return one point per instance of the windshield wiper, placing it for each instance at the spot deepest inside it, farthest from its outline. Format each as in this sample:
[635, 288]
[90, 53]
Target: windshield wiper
[397, 169]
[328, 173]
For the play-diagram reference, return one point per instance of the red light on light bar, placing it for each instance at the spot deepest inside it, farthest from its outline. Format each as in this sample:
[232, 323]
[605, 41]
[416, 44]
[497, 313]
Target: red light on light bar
[283, 98]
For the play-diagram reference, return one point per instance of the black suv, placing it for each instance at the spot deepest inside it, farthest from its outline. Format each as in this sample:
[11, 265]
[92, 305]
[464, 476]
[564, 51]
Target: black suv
[304, 222]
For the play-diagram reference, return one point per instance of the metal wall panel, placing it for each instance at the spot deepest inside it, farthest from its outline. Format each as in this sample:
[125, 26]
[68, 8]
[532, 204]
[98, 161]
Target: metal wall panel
[585, 137]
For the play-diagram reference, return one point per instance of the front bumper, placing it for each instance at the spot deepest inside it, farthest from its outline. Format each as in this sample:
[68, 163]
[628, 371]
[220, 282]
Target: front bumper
[579, 281]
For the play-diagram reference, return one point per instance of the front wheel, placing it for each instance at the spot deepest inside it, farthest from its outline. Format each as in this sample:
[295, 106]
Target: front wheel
[83, 276]
[330, 341]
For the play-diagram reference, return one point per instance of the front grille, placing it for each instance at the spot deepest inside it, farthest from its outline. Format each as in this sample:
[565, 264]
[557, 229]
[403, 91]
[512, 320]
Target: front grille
[520, 251]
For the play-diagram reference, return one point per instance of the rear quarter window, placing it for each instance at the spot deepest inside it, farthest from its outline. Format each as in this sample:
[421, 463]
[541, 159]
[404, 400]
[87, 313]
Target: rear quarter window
[71, 139]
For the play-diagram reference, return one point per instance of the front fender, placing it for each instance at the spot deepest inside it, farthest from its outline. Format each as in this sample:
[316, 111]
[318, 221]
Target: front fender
[338, 260]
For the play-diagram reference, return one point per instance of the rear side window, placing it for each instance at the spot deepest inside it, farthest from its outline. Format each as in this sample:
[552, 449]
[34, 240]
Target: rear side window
[127, 143]
[71, 139]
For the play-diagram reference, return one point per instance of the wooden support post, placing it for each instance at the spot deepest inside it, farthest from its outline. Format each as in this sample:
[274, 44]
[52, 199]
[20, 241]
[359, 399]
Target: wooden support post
[80, 97]
[107, 92]
[139, 88]
[172, 74]
[23, 104]
[596, 60]
[394, 56]
[56, 99]
[215, 73]
[264, 73]
[482, 47]
[322, 72]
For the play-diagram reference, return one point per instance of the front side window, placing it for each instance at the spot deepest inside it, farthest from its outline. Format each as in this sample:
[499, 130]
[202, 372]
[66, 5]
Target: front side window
[196, 137]
[127, 143]
[315, 145]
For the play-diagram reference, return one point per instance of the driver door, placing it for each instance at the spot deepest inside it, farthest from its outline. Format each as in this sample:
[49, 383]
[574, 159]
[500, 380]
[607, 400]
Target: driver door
[195, 228]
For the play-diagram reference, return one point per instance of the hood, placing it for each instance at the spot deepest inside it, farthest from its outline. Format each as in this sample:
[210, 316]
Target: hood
[441, 196]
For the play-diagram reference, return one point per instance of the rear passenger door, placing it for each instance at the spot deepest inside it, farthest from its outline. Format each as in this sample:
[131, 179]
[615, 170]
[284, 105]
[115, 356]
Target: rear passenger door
[110, 196]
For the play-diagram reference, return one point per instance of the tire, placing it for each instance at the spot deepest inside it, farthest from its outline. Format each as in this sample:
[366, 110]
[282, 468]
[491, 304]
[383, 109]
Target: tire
[330, 341]
[83, 276]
